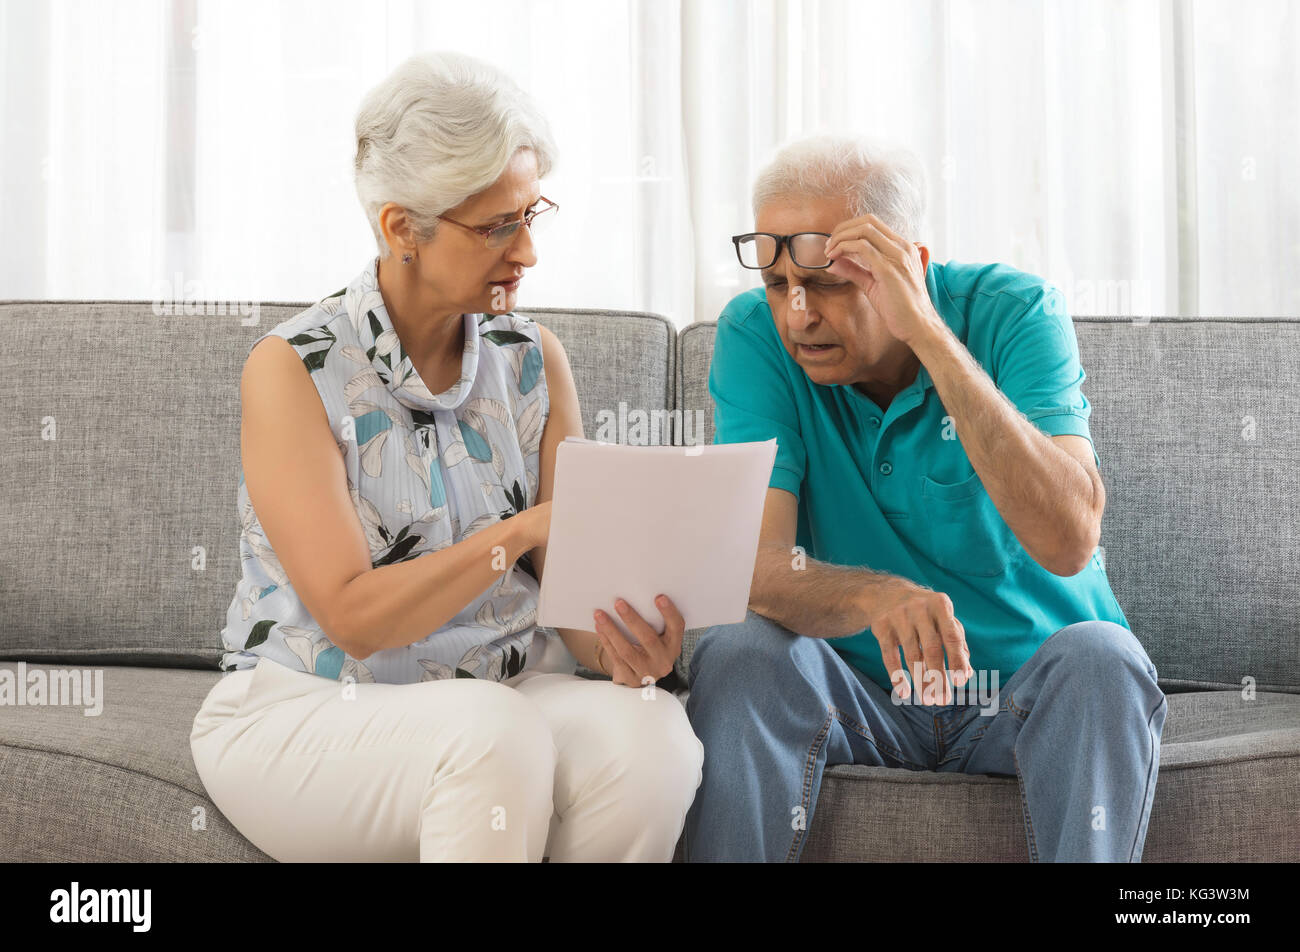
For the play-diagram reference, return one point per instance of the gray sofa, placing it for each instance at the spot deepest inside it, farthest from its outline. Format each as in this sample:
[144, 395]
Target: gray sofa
[122, 553]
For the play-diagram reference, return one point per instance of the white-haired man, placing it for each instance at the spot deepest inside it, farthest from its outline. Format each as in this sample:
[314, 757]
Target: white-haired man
[935, 493]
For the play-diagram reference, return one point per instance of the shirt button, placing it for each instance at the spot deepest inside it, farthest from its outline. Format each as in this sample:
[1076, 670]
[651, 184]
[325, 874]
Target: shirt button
[886, 468]
[873, 421]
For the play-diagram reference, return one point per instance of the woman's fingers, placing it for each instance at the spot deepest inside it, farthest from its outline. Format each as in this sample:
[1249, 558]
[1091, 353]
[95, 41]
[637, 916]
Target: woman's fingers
[654, 645]
[674, 625]
[619, 646]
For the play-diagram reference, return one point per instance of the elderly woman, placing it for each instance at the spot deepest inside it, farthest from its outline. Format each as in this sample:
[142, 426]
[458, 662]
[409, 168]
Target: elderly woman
[389, 695]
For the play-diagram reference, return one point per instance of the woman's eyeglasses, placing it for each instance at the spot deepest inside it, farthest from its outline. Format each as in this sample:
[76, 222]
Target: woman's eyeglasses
[498, 236]
[760, 249]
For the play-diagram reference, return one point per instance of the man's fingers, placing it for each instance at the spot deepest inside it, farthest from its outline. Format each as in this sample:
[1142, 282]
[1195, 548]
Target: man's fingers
[866, 255]
[893, 666]
[953, 638]
[932, 649]
[912, 652]
[844, 229]
[888, 232]
[954, 645]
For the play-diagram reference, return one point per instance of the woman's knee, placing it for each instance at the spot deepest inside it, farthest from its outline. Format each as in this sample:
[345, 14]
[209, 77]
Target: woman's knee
[500, 727]
[645, 739]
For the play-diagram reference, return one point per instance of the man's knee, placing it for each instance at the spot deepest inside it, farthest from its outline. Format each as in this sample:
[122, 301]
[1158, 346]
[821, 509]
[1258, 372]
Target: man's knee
[758, 641]
[1102, 647]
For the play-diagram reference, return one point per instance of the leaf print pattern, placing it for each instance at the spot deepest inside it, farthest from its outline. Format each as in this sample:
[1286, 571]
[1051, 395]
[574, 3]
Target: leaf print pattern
[424, 471]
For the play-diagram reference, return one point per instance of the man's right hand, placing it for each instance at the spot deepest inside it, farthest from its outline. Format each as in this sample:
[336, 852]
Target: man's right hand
[920, 621]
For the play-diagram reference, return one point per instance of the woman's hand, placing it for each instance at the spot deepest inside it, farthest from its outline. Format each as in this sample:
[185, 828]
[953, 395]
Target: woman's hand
[646, 663]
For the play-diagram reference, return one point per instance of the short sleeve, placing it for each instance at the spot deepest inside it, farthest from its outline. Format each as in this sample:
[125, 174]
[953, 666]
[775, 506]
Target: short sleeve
[752, 398]
[1036, 364]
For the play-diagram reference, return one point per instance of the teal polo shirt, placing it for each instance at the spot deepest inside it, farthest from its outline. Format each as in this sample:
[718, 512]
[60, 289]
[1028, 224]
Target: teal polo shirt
[894, 491]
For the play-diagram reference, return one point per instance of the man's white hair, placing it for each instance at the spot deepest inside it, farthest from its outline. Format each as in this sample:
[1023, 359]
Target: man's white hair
[441, 128]
[883, 180]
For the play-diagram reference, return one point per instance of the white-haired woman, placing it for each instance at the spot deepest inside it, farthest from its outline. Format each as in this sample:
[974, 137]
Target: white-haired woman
[389, 695]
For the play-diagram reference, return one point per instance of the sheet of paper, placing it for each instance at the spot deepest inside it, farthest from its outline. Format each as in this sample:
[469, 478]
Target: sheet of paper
[631, 522]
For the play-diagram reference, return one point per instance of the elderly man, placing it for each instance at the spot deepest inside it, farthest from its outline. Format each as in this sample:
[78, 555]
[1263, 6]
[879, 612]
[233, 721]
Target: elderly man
[935, 494]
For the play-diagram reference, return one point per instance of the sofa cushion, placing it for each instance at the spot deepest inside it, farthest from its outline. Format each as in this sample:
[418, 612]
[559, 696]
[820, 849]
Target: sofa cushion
[122, 786]
[1194, 423]
[123, 466]
[118, 786]
[1228, 790]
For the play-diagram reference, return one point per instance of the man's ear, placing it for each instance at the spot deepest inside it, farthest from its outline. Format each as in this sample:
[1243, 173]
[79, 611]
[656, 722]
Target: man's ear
[925, 254]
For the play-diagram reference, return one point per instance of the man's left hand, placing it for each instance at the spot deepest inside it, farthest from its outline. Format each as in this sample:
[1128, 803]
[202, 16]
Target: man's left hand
[889, 269]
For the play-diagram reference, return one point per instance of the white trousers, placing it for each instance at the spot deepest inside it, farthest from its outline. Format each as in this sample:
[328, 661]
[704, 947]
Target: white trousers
[542, 764]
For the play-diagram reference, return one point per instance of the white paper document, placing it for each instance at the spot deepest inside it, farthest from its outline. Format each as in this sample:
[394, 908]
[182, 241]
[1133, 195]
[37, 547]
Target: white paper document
[632, 522]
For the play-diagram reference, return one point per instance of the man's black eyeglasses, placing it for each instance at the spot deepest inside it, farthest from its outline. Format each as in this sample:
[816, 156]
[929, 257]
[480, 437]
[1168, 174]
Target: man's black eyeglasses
[760, 249]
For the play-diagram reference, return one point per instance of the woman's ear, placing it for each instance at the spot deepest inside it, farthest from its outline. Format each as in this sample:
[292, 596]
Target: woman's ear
[396, 226]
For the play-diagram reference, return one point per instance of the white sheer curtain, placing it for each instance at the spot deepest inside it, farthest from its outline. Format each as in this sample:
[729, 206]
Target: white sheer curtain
[1142, 155]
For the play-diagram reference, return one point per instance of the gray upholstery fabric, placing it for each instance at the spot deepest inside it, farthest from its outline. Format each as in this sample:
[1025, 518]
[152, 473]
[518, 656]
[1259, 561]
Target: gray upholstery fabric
[617, 357]
[134, 562]
[130, 514]
[122, 786]
[142, 474]
[1201, 533]
[1201, 539]
[1228, 790]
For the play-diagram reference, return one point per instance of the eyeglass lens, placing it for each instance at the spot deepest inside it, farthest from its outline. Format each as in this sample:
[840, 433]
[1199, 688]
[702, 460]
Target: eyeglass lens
[505, 233]
[807, 249]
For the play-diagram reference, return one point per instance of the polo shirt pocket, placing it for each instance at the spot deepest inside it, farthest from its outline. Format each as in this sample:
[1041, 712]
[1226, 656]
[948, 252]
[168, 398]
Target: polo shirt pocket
[963, 531]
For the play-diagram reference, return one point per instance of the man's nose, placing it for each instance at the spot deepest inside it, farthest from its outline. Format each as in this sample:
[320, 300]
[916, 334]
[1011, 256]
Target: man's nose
[798, 315]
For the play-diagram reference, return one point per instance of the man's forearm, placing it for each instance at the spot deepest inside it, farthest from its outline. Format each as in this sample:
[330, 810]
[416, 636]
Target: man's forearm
[1041, 492]
[816, 598]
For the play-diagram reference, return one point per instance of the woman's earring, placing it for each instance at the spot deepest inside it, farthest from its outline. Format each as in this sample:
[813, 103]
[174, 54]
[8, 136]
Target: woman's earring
[406, 259]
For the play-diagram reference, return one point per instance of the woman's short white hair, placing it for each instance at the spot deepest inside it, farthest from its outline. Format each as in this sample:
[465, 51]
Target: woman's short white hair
[879, 179]
[441, 128]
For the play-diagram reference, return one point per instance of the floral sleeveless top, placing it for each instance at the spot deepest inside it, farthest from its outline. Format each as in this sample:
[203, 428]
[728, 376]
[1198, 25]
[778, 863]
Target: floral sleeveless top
[424, 472]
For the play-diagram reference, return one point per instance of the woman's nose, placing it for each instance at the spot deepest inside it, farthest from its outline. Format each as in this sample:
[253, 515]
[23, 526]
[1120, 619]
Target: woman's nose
[521, 248]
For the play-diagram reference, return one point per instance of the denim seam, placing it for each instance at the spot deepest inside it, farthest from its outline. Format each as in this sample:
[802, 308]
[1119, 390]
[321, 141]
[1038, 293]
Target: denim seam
[1148, 797]
[1024, 804]
[809, 764]
[946, 727]
[833, 713]
[965, 748]
[864, 732]
[1019, 712]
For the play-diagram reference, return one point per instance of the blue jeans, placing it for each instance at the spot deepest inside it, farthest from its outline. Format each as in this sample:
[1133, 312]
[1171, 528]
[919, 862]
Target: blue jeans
[1078, 725]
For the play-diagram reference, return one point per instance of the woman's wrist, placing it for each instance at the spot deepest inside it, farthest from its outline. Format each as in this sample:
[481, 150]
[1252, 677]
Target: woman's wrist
[524, 526]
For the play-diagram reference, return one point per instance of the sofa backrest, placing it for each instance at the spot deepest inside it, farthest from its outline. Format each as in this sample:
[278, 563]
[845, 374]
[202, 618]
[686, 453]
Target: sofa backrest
[122, 466]
[1197, 425]
[123, 462]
